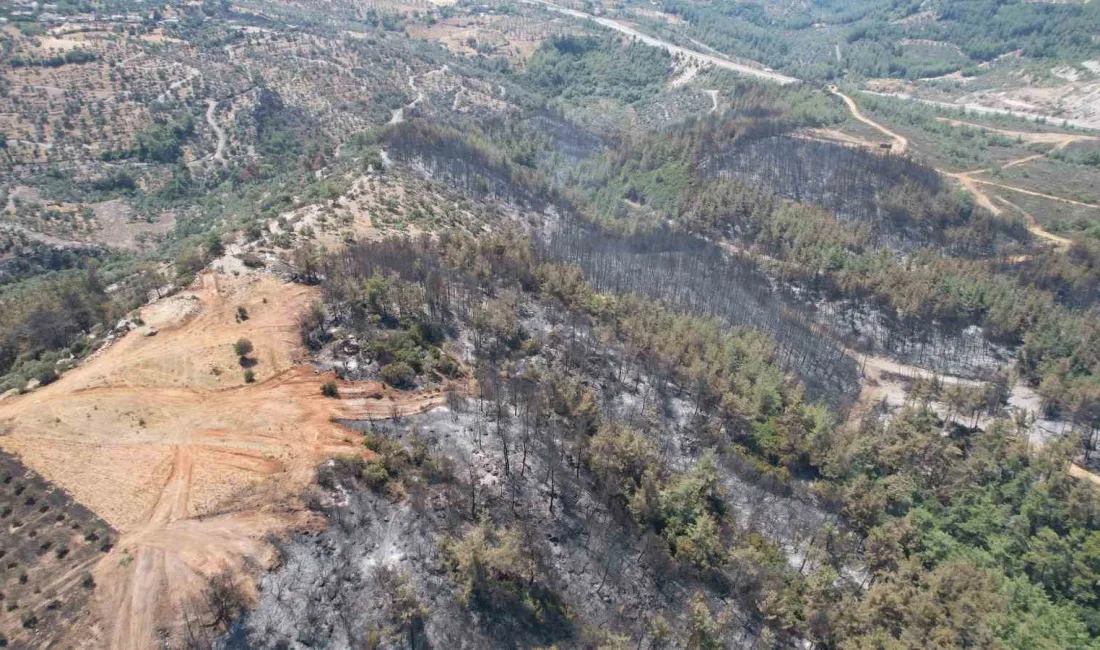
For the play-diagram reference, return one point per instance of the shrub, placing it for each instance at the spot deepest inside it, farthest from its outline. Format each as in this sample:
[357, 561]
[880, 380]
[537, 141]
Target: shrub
[311, 327]
[249, 376]
[398, 374]
[242, 313]
[329, 389]
[339, 468]
[499, 573]
[47, 376]
[375, 474]
[447, 367]
[252, 260]
[243, 347]
[214, 246]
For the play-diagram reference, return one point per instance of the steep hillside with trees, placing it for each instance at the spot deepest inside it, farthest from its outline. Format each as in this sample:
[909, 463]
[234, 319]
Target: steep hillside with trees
[416, 324]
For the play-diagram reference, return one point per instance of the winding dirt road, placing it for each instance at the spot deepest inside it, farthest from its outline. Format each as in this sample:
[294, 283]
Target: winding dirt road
[971, 184]
[900, 143]
[1049, 197]
[398, 115]
[219, 155]
[967, 180]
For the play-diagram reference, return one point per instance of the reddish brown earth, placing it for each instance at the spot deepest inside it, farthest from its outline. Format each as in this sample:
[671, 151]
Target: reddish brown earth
[161, 437]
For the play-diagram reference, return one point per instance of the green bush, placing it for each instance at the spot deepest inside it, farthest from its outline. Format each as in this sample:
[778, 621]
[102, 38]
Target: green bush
[252, 260]
[249, 376]
[399, 375]
[243, 347]
[47, 376]
[375, 475]
[329, 389]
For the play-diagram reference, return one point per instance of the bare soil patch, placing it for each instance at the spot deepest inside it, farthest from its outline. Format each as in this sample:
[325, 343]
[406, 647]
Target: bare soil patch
[162, 436]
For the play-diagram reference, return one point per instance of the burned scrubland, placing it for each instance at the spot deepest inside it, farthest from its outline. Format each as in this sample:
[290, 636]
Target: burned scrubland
[905, 205]
[637, 438]
[624, 475]
[697, 277]
[576, 499]
[741, 252]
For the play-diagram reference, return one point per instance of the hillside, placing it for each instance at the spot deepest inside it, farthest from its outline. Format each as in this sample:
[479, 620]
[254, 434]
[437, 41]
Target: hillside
[547, 324]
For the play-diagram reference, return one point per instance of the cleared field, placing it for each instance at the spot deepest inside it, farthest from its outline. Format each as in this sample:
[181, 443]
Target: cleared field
[161, 435]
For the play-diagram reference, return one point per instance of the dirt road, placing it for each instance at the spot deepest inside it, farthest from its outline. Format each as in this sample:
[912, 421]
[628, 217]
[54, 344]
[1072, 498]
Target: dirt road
[900, 143]
[1049, 197]
[885, 380]
[162, 437]
[713, 94]
[219, 154]
[398, 115]
[971, 184]
[987, 110]
[675, 50]
[1059, 140]
[877, 385]
[882, 383]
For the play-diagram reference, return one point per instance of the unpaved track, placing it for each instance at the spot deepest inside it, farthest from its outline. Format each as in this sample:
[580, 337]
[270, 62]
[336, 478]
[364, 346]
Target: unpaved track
[160, 436]
[713, 94]
[967, 180]
[900, 143]
[1033, 226]
[987, 110]
[876, 386]
[219, 153]
[675, 50]
[1077, 471]
[878, 383]
[971, 184]
[398, 115]
[1059, 140]
[1049, 197]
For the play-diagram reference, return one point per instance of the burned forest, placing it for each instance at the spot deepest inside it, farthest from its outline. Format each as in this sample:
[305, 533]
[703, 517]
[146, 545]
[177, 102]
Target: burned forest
[574, 325]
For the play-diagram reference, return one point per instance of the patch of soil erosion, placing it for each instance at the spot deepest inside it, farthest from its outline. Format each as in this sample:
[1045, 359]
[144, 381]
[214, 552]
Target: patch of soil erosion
[163, 437]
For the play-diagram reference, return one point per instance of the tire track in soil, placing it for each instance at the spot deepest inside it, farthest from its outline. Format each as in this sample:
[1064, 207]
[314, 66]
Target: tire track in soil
[967, 180]
[217, 466]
